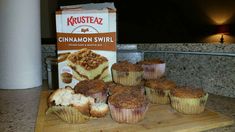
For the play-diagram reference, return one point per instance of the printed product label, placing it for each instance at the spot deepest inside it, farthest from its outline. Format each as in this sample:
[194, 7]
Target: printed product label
[86, 44]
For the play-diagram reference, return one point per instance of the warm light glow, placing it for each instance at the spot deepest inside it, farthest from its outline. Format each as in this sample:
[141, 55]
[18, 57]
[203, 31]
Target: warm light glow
[219, 11]
[216, 39]
[220, 17]
[221, 14]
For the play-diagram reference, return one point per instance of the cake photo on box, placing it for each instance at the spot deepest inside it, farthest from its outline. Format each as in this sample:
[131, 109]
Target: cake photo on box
[88, 65]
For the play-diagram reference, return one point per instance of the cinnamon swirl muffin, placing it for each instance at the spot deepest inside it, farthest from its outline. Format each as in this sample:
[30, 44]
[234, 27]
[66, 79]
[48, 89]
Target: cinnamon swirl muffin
[120, 89]
[157, 91]
[74, 107]
[93, 88]
[128, 107]
[153, 68]
[188, 100]
[68, 106]
[126, 73]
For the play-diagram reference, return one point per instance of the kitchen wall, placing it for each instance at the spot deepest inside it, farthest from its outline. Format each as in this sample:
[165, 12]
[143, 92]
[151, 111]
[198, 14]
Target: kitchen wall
[210, 66]
[170, 21]
[47, 13]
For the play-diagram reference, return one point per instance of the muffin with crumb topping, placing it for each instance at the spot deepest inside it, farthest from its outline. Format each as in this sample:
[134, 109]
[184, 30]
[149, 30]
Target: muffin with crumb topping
[128, 107]
[117, 88]
[188, 100]
[153, 68]
[74, 107]
[68, 106]
[157, 91]
[93, 88]
[126, 73]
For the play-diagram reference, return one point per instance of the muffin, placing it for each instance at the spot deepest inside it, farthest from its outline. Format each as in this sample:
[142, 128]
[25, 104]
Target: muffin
[188, 100]
[61, 96]
[93, 88]
[157, 91]
[88, 107]
[82, 103]
[120, 89]
[110, 86]
[153, 68]
[66, 77]
[126, 73]
[128, 107]
[68, 106]
[99, 110]
[75, 108]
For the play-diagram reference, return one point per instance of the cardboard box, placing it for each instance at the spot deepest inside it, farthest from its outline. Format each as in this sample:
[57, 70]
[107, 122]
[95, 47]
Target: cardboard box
[86, 42]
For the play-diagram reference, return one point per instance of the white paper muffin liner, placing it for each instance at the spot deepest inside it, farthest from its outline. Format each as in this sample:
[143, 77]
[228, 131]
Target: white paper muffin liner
[68, 114]
[131, 116]
[154, 71]
[157, 96]
[189, 105]
[127, 78]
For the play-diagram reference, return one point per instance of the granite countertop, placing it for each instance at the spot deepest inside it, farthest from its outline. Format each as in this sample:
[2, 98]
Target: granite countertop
[18, 109]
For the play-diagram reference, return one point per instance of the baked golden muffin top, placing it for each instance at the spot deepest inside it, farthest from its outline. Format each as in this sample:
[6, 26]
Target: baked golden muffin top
[126, 66]
[121, 89]
[128, 100]
[88, 87]
[188, 92]
[151, 61]
[163, 84]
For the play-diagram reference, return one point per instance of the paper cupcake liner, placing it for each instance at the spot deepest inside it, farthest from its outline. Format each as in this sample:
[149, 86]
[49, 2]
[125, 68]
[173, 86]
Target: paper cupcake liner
[131, 116]
[188, 105]
[154, 71]
[68, 114]
[127, 78]
[156, 96]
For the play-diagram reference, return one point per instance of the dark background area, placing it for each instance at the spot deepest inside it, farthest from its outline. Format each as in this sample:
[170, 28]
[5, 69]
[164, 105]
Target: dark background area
[168, 21]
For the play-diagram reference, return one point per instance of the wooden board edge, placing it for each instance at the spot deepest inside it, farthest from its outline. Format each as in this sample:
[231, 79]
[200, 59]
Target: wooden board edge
[40, 118]
[230, 121]
[209, 127]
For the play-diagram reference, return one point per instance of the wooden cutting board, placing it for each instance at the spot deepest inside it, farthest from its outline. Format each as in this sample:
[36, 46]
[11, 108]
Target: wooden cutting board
[158, 118]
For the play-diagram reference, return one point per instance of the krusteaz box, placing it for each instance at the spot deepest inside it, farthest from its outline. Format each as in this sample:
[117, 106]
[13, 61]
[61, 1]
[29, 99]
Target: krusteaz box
[86, 42]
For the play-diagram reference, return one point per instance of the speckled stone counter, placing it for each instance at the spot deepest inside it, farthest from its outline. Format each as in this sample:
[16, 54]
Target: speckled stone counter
[189, 47]
[18, 109]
